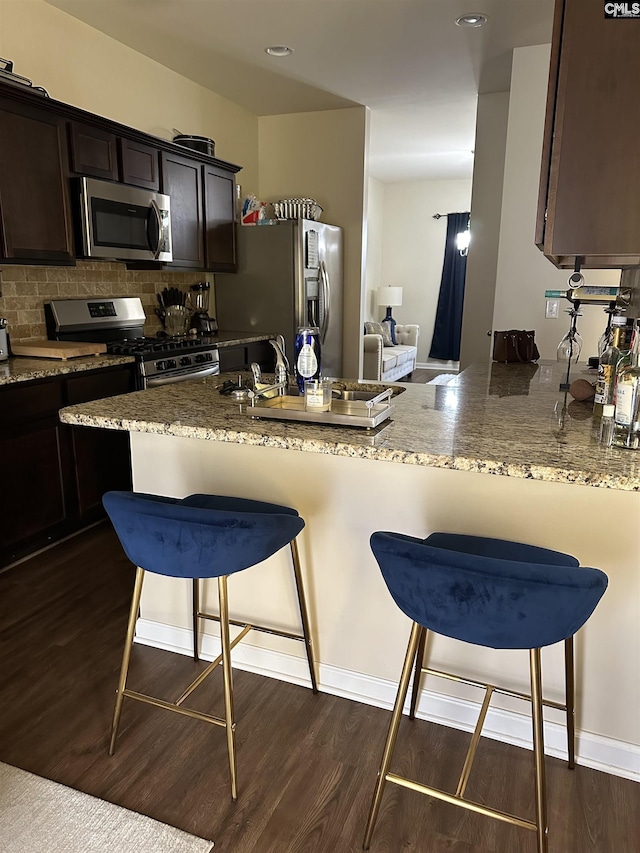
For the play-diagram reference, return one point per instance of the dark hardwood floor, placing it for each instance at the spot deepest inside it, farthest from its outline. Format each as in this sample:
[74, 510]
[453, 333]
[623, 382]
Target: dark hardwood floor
[307, 764]
[421, 375]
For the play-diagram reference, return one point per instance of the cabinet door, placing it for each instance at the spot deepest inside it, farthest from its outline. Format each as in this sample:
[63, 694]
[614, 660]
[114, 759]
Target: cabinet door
[35, 499]
[220, 219]
[35, 211]
[590, 204]
[140, 164]
[101, 457]
[182, 182]
[93, 152]
[263, 354]
[241, 356]
[232, 358]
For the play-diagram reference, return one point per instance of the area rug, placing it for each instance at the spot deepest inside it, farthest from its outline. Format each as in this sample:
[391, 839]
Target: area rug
[37, 814]
[442, 379]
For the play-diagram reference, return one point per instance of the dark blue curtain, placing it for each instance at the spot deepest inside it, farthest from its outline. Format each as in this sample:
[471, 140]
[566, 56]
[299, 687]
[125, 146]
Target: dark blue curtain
[445, 343]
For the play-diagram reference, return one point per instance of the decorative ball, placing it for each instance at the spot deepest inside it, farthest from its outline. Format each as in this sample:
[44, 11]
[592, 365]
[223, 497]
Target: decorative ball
[582, 389]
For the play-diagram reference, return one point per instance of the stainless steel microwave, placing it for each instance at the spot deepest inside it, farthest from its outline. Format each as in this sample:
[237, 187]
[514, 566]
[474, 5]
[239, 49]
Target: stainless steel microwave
[124, 223]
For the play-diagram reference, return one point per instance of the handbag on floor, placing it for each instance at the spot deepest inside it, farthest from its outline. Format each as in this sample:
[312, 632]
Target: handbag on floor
[515, 345]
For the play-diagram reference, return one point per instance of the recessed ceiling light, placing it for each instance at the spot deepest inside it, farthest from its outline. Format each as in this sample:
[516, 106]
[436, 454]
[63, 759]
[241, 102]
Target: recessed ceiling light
[472, 20]
[279, 50]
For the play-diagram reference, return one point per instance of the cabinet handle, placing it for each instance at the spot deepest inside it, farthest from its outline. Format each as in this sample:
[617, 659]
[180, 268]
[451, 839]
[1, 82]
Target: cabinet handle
[156, 210]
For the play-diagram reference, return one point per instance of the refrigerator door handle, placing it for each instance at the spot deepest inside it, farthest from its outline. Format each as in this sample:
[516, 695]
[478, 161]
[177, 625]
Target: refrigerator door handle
[326, 301]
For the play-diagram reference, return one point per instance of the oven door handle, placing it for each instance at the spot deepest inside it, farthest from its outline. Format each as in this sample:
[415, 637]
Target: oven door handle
[155, 210]
[155, 381]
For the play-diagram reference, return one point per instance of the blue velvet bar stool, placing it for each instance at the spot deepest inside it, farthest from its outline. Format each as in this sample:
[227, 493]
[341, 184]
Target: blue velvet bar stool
[486, 592]
[203, 536]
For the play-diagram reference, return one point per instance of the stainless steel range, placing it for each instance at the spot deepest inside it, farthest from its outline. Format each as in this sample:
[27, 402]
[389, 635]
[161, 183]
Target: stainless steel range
[119, 322]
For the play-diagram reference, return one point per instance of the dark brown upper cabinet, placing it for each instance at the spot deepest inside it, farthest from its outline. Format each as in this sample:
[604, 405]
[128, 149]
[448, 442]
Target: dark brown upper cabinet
[589, 202]
[139, 164]
[220, 219]
[182, 182]
[35, 210]
[98, 153]
[45, 143]
[94, 152]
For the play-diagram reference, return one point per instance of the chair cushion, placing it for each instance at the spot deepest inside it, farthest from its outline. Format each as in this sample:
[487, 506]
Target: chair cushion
[488, 592]
[389, 360]
[403, 354]
[201, 536]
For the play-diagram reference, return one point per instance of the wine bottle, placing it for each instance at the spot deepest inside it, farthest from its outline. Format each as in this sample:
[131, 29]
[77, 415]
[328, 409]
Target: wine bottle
[626, 431]
[592, 293]
[607, 365]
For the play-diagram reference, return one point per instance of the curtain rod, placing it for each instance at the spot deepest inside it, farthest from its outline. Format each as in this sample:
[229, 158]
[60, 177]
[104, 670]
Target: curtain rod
[442, 215]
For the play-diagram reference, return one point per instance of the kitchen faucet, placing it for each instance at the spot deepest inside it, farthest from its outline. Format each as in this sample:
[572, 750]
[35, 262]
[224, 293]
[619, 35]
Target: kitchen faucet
[281, 376]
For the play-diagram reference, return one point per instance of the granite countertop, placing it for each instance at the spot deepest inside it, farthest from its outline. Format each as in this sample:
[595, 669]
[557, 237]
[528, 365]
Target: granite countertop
[228, 339]
[508, 420]
[24, 369]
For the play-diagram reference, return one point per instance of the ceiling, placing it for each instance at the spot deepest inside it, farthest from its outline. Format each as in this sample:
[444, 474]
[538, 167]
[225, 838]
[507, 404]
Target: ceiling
[406, 60]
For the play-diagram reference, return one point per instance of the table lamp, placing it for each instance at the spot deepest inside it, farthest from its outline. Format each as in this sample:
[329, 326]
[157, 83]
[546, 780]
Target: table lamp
[391, 297]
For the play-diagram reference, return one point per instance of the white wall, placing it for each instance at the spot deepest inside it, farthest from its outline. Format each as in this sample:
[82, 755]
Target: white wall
[413, 249]
[322, 155]
[374, 231]
[486, 206]
[83, 67]
[523, 273]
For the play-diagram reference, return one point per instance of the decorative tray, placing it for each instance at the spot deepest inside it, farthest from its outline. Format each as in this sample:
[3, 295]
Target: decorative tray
[356, 409]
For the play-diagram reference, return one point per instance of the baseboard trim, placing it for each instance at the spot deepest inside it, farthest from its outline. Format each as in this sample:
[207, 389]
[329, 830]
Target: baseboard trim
[444, 366]
[592, 750]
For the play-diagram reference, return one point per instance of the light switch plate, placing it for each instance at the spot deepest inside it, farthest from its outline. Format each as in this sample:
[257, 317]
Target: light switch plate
[552, 309]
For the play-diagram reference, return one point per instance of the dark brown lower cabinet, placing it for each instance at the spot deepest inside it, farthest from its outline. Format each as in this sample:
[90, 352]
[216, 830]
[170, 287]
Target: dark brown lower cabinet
[240, 356]
[54, 475]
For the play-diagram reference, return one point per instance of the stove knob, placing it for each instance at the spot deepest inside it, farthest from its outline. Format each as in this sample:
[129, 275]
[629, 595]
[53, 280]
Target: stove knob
[170, 364]
[185, 361]
[161, 365]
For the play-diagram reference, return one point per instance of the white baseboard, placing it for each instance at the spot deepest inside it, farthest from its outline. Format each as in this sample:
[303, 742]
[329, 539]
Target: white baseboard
[600, 753]
[446, 366]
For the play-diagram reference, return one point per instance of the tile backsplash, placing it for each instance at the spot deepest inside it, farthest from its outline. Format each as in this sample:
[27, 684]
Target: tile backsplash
[25, 289]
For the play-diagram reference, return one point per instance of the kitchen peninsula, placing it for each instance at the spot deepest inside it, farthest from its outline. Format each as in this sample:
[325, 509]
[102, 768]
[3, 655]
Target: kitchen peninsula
[499, 451]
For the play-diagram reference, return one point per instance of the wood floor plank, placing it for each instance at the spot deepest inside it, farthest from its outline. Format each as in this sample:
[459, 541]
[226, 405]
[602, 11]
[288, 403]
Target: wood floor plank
[306, 764]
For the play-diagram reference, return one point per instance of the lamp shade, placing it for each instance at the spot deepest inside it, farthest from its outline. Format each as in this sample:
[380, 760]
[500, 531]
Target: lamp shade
[390, 296]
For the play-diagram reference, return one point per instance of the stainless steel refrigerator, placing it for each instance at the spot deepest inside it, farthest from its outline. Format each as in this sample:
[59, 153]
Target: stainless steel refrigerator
[289, 275]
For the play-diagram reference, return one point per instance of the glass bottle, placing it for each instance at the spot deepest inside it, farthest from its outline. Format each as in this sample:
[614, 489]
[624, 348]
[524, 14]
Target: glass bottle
[306, 355]
[626, 431]
[607, 366]
[626, 347]
[588, 293]
[605, 434]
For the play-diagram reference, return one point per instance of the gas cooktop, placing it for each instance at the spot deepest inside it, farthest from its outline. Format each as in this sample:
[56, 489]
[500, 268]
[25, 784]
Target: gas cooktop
[151, 347]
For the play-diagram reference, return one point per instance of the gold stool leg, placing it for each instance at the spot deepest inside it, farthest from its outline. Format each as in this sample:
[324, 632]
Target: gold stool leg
[417, 674]
[392, 733]
[195, 605]
[570, 697]
[538, 751]
[126, 657]
[228, 684]
[304, 615]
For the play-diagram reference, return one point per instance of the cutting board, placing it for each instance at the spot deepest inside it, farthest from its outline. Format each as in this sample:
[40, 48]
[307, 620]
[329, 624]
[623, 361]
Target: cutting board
[57, 349]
